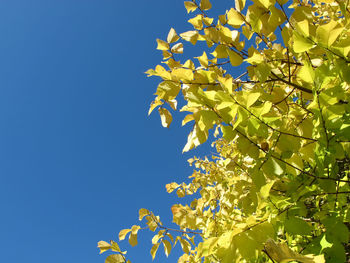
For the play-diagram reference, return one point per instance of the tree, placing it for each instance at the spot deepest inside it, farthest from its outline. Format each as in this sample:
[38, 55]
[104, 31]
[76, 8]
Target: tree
[275, 92]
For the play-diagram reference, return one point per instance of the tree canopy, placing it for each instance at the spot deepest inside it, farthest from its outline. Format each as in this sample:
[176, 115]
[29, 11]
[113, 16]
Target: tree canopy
[272, 86]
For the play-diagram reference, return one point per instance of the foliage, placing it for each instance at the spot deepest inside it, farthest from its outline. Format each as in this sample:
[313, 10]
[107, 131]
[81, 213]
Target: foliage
[278, 188]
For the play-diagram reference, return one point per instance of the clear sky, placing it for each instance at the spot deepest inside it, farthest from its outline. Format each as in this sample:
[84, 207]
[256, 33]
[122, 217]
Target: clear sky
[78, 154]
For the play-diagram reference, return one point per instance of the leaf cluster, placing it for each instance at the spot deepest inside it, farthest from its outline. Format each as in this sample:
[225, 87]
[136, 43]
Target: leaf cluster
[277, 189]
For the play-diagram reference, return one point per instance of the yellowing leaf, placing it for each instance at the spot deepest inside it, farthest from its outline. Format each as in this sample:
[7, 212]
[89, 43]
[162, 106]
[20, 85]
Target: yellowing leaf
[303, 27]
[190, 6]
[327, 34]
[282, 253]
[252, 97]
[205, 5]
[178, 48]
[265, 190]
[172, 36]
[162, 45]
[300, 43]
[306, 73]
[235, 18]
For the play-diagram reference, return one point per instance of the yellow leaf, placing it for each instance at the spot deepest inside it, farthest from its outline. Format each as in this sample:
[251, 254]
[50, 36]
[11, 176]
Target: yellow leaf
[162, 72]
[182, 74]
[185, 245]
[252, 97]
[197, 22]
[190, 6]
[178, 48]
[265, 190]
[267, 3]
[162, 45]
[172, 36]
[157, 102]
[187, 119]
[167, 247]
[203, 60]
[282, 253]
[103, 246]
[220, 52]
[235, 58]
[191, 36]
[327, 34]
[301, 43]
[303, 27]
[142, 213]
[165, 117]
[173, 104]
[208, 21]
[115, 247]
[123, 233]
[154, 250]
[116, 258]
[235, 18]
[239, 4]
[205, 5]
[171, 187]
[255, 58]
[226, 83]
[133, 235]
[306, 73]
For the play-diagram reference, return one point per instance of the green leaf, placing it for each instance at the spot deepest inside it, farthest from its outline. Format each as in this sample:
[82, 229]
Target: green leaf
[327, 34]
[297, 226]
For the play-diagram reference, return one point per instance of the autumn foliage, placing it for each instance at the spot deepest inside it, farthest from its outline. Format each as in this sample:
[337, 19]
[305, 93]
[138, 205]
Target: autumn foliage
[273, 86]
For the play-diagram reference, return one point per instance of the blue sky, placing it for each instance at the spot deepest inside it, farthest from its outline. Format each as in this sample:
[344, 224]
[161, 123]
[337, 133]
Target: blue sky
[78, 154]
